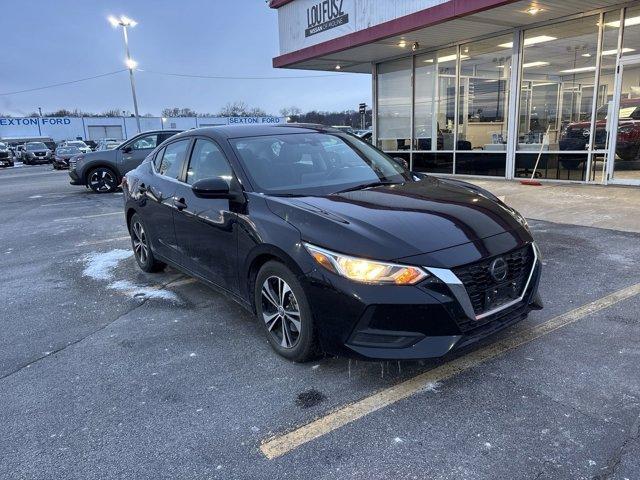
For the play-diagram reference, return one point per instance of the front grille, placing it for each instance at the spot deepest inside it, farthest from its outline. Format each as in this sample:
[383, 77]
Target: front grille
[477, 278]
[4, 154]
[40, 154]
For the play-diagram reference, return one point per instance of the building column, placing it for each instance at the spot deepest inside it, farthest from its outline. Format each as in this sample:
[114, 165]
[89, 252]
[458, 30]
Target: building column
[515, 88]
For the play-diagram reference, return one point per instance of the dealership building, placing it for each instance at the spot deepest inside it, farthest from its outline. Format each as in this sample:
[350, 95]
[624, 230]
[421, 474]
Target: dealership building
[120, 128]
[486, 87]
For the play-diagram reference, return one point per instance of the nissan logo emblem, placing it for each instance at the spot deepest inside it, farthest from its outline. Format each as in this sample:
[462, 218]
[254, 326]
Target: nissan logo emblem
[499, 269]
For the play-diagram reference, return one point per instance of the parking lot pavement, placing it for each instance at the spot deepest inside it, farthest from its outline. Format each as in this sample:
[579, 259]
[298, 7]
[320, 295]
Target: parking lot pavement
[107, 372]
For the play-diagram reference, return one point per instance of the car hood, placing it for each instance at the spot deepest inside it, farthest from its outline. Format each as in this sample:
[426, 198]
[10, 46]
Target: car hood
[391, 222]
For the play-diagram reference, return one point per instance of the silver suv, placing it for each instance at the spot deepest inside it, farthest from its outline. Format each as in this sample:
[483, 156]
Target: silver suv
[103, 170]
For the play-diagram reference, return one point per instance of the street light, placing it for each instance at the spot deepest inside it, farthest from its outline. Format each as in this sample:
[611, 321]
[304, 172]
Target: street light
[131, 64]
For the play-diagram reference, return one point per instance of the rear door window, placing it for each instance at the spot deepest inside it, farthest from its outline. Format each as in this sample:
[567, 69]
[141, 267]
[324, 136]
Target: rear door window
[173, 158]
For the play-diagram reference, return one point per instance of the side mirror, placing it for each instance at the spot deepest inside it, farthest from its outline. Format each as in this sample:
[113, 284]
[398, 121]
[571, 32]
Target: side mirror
[127, 149]
[211, 188]
[402, 162]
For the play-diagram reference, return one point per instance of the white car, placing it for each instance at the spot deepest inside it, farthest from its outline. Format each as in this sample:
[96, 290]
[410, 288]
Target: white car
[83, 147]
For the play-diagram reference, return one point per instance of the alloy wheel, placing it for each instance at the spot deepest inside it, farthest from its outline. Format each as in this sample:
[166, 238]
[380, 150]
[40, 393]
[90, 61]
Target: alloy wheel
[281, 312]
[140, 246]
[102, 180]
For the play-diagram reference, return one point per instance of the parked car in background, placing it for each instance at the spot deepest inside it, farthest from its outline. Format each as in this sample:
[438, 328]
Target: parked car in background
[108, 144]
[92, 144]
[575, 136]
[35, 152]
[83, 147]
[62, 156]
[365, 135]
[6, 156]
[102, 171]
[15, 142]
[18, 151]
[330, 243]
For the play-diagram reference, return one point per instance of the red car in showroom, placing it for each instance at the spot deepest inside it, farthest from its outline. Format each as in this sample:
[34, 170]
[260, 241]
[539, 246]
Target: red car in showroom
[576, 135]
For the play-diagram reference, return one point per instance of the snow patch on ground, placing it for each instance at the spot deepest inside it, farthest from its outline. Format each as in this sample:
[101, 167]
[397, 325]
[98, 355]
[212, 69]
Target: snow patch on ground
[132, 290]
[431, 387]
[99, 266]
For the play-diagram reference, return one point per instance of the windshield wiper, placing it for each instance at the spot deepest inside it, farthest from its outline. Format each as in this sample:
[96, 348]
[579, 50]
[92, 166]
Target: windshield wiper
[366, 185]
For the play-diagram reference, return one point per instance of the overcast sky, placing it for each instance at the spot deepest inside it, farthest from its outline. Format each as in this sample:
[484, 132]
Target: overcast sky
[46, 42]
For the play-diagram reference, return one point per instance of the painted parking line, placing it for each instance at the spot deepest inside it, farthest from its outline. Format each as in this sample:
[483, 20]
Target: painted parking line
[82, 217]
[100, 242]
[281, 444]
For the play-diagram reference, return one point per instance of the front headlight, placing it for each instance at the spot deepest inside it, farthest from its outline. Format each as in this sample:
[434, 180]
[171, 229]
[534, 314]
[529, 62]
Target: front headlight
[366, 271]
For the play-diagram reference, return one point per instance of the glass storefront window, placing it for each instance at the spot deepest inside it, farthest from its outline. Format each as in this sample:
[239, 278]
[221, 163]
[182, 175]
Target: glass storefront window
[558, 78]
[394, 105]
[483, 102]
[435, 100]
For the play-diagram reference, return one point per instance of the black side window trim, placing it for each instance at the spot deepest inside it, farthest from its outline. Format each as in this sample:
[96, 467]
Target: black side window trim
[190, 142]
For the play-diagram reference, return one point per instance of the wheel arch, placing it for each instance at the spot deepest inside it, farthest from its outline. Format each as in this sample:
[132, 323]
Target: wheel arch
[255, 261]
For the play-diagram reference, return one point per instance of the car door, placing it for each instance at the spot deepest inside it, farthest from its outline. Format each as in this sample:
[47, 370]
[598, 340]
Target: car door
[159, 197]
[206, 228]
[134, 152]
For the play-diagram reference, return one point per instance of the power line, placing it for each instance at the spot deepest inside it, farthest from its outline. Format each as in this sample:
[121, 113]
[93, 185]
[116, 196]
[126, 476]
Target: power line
[217, 77]
[184, 75]
[63, 83]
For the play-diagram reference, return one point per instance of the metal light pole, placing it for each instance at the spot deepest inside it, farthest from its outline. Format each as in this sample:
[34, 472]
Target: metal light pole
[131, 64]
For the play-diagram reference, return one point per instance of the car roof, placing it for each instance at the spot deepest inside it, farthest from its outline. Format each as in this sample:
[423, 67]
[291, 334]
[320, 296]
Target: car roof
[240, 131]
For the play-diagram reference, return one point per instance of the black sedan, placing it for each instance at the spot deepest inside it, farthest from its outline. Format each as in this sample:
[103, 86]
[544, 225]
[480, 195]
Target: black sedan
[62, 156]
[333, 245]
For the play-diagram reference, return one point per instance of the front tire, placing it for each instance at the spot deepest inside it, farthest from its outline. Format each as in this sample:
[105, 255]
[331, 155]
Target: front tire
[283, 311]
[142, 248]
[102, 180]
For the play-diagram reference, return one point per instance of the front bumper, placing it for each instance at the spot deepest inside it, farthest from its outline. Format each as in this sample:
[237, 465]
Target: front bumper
[410, 322]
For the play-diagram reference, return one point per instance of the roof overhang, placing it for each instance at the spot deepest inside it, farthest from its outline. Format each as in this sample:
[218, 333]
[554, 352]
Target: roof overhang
[443, 24]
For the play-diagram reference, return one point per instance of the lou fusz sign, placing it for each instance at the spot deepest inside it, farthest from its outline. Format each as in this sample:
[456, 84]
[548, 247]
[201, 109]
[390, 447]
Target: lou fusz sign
[325, 15]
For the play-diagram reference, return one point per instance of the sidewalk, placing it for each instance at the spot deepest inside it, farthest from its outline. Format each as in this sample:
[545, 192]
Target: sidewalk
[613, 207]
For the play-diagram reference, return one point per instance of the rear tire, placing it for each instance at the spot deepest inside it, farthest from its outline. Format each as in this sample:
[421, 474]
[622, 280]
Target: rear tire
[102, 180]
[283, 311]
[142, 248]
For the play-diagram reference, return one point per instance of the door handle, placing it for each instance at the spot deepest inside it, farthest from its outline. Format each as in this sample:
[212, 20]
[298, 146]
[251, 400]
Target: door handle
[179, 203]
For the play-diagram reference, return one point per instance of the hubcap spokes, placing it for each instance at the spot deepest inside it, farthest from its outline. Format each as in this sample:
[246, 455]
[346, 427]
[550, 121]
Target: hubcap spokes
[102, 181]
[280, 311]
[140, 247]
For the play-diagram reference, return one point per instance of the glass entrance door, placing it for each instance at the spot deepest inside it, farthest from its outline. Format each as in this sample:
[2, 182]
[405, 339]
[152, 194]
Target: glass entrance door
[624, 124]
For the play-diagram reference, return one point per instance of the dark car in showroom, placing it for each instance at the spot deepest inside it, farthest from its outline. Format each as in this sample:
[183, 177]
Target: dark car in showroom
[332, 244]
[63, 155]
[35, 152]
[6, 155]
[102, 171]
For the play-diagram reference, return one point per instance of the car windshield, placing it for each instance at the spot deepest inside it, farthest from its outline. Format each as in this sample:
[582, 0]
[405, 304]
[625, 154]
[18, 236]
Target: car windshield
[3, 146]
[67, 150]
[314, 163]
[36, 146]
[77, 144]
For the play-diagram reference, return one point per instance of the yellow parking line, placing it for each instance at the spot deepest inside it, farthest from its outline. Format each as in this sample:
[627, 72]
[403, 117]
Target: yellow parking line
[282, 444]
